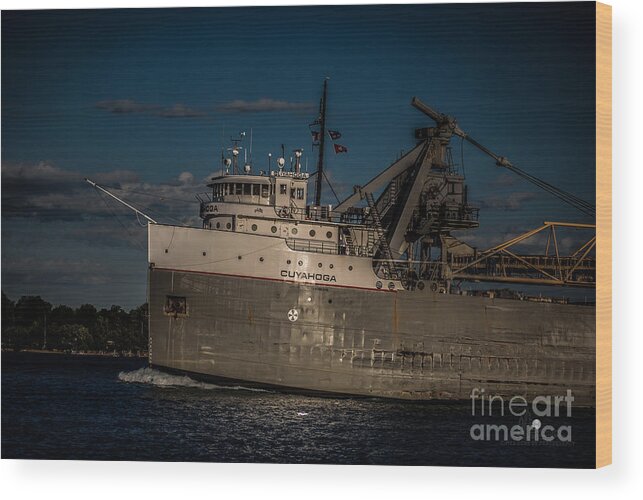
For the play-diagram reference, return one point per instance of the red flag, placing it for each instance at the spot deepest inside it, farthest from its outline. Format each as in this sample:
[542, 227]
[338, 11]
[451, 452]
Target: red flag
[334, 135]
[340, 149]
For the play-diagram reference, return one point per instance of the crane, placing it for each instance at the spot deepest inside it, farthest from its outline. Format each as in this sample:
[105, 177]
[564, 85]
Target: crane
[424, 198]
[501, 161]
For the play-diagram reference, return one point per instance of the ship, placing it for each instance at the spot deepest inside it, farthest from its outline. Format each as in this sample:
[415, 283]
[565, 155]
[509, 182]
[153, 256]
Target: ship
[364, 298]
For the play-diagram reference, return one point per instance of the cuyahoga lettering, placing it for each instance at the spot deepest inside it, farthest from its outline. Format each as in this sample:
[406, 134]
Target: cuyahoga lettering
[308, 276]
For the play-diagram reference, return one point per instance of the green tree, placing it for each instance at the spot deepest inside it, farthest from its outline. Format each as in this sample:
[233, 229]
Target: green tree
[138, 328]
[24, 324]
[61, 315]
[31, 313]
[87, 315]
[8, 312]
[16, 337]
[75, 337]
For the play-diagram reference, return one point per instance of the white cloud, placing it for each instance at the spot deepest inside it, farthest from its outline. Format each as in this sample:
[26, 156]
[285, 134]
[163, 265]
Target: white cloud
[265, 105]
[48, 192]
[129, 106]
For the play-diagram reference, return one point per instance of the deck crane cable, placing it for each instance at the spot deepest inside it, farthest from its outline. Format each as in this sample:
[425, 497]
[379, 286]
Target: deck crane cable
[170, 217]
[138, 219]
[151, 210]
[450, 123]
[327, 182]
[331, 188]
[569, 198]
[110, 209]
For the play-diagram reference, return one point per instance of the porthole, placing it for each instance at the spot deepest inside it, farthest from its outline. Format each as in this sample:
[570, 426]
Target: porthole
[254, 227]
[260, 259]
[300, 263]
[273, 229]
[350, 268]
[204, 254]
[239, 257]
[218, 225]
[312, 233]
[378, 285]
[228, 225]
[166, 250]
[319, 264]
[288, 261]
[330, 301]
[294, 230]
[391, 285]
[329, 235]
[331, 266]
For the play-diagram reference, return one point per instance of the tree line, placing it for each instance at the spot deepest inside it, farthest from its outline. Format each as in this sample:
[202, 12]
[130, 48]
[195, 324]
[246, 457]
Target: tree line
[33, 323]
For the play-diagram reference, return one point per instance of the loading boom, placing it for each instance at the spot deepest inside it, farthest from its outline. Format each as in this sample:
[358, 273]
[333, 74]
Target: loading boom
[423, 198]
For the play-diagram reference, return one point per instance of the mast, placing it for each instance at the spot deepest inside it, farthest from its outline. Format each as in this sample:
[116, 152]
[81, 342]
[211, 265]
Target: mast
[322, 131]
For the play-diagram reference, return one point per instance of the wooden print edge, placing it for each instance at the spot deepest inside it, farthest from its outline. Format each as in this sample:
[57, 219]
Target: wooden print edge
[603, 234]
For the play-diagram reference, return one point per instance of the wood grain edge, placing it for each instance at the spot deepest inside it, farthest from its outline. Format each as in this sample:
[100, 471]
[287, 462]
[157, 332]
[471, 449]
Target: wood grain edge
[603, 234]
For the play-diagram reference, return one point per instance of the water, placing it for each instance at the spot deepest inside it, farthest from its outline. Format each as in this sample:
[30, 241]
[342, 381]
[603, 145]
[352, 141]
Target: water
[58, 406]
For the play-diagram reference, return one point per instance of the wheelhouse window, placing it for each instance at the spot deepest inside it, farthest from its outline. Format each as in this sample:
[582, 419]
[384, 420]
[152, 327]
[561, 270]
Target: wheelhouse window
[238, 188]
[283, 189]
[255, 190]
[300, 193]
[247, 189]
[265, 190]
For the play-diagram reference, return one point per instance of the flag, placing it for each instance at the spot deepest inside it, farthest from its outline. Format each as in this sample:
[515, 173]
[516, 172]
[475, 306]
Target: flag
[316, 136]
[340, 149]
[334, 135]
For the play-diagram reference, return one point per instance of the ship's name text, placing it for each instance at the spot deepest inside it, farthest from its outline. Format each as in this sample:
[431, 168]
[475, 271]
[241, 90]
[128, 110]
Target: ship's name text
[330, 278]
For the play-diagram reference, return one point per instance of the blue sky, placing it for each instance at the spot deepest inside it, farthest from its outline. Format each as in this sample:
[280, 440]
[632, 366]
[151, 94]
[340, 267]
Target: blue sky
[143, 99]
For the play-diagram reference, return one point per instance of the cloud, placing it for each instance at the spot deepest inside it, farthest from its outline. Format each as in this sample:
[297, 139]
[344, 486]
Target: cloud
[125, 106]
[128, 106]
[505, 179]
[514, 201]
[181, 111]
[264, 106]
[48, 193]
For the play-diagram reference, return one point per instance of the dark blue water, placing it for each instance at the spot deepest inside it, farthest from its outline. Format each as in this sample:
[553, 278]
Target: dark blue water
[84, 408]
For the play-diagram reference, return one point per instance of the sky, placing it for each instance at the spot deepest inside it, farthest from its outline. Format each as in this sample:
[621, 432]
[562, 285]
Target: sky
[144, 99]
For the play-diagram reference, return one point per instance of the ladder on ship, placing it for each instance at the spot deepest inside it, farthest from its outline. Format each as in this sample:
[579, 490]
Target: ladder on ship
[382, 242]
[350, 245]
